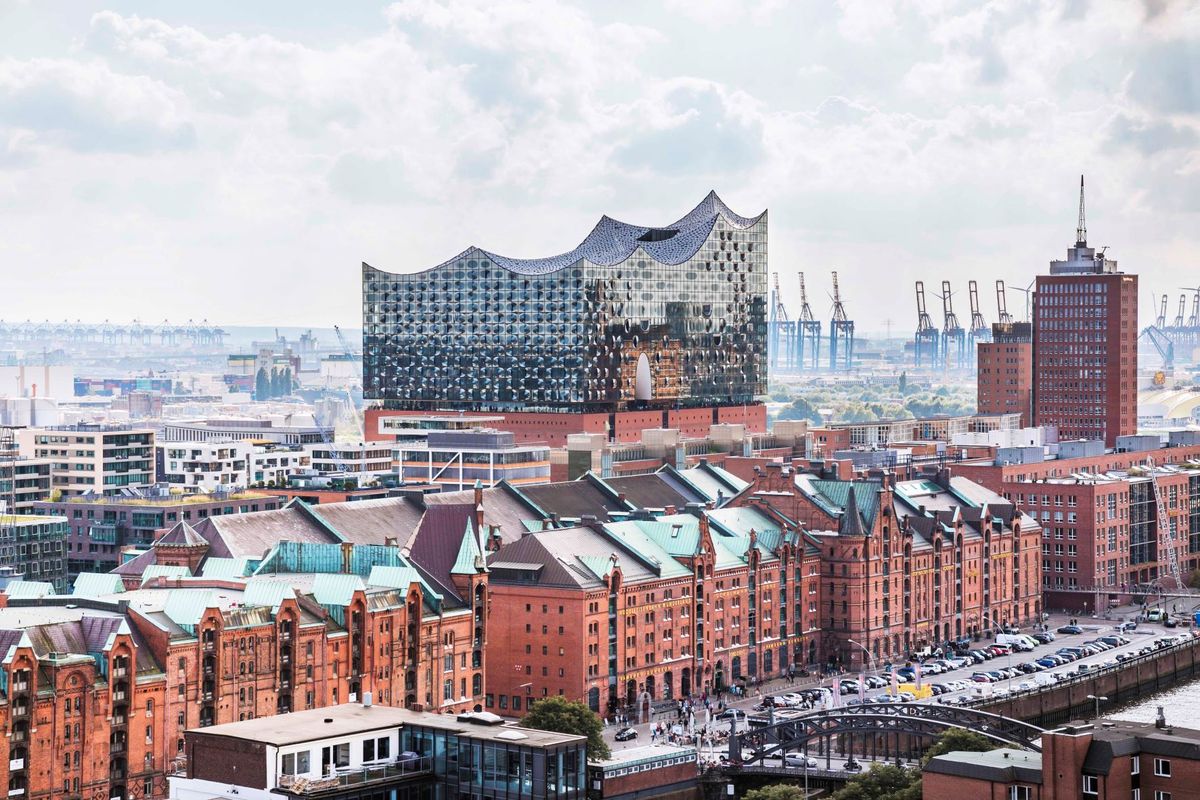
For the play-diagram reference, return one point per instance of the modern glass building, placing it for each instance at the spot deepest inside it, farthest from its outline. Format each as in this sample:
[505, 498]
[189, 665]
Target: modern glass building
[634, 317]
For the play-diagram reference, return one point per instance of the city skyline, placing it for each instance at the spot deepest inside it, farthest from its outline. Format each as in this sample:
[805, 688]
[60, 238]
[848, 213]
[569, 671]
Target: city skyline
[211, 157]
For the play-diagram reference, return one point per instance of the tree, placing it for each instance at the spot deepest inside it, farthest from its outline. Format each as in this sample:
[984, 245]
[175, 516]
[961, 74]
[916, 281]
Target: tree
[561, 715]
[776, 791]
[277, 383]
[262, 385]
[958, 739]
[881, 782]
[903, 382]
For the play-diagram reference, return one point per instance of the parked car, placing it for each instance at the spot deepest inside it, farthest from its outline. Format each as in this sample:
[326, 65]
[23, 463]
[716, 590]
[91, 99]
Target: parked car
[626, 734]
[1045, 637]
[1070, 629]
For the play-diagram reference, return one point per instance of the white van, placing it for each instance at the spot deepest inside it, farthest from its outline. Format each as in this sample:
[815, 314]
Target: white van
[1017, 641]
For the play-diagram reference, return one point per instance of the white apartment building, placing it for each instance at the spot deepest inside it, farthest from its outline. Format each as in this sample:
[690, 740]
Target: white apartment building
[365, 461]
[205, 466]
[93, 458]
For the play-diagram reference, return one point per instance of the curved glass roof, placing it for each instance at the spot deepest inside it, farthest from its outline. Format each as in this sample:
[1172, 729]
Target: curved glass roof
[612, 241]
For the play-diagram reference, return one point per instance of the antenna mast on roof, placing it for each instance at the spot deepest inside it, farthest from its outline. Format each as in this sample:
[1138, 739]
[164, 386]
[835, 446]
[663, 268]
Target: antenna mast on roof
[1081, 228]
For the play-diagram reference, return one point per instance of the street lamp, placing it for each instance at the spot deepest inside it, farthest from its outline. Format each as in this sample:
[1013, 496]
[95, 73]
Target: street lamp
[1097, 698]
[870, 655]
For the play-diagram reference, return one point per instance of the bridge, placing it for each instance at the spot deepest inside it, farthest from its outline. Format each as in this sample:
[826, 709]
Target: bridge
[881, 729]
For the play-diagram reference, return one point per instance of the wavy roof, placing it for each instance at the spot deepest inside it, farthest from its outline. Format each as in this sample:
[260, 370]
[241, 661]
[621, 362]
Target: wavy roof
[612, 241]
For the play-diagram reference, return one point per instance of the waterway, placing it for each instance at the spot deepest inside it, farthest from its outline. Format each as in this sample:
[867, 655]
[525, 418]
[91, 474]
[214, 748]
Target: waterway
[1181, 706]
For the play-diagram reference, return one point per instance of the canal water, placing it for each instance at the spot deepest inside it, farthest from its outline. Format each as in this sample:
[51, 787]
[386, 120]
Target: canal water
[1181, 705]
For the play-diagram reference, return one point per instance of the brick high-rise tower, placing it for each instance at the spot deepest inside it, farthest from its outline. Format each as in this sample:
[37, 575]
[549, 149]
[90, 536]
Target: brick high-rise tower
[1085, 344]
[1004, 379]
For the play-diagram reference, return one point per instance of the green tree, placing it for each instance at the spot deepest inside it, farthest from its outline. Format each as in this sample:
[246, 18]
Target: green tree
[569, 716]
[288, 382]
[958, 739]
[881, 782]
[776, 791]
[801, 409]
[262, 385]
[903, 382]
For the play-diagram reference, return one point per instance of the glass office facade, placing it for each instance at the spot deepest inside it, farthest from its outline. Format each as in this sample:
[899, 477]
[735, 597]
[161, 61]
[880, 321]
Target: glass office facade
[483, 767]
[634, 317]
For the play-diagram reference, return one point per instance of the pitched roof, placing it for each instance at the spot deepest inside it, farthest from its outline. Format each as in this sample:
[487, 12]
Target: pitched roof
[181, 535]
[588, 496]
[435, 546]
[852, 522]
[469, 560]
[832, 496]
[654, 490]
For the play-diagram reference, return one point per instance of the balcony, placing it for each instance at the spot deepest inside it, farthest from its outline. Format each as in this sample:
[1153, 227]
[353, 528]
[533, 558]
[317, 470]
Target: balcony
[367, 776]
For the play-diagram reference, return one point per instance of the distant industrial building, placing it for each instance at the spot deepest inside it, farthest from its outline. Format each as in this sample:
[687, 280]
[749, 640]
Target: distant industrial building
[637, 327]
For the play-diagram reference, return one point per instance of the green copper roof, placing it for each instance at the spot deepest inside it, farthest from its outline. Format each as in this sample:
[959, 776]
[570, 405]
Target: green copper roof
[834, 494]
[97, 584]
[164, 571]
[226, 567]
[29, 589]
[470, 557]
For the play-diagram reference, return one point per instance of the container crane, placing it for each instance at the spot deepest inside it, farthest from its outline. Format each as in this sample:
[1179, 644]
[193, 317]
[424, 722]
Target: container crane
[1003, 317]
[841, 333]
[1160, 321]
[808, 348]
[953, 334]
[927, 335]
[980, 332]
[781, 341]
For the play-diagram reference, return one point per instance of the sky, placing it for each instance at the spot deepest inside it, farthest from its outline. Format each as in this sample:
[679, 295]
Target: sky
[238, 161]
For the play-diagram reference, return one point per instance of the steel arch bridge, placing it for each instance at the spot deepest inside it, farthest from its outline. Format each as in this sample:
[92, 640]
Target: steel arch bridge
[921, 720]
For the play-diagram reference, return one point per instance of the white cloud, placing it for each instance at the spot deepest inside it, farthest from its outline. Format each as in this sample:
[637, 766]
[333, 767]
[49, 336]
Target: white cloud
[248, 168]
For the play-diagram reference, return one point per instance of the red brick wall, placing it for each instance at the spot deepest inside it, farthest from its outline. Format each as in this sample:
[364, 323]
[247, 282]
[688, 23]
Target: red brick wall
[1004, 382]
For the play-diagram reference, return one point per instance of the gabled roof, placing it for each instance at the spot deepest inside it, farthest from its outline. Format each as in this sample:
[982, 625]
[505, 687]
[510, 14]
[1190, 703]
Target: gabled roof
[718, 485]
[654, 490]
[588, 496]
[435, 546]
[29, 589]
[97, 584]
[832, 496]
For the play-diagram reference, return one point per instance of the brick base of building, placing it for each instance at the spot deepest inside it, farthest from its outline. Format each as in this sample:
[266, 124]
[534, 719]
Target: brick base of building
[622, 426]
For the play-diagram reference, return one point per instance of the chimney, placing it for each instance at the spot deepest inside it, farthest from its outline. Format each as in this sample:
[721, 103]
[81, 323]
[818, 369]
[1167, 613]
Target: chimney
[1160, 721]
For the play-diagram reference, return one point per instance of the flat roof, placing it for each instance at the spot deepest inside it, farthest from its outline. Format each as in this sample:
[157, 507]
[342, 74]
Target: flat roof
[349, 719]
[1003, 765]
[28, 519]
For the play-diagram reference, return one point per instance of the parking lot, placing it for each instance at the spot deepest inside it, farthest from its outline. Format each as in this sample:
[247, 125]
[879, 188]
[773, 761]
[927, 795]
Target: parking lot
[953, 681]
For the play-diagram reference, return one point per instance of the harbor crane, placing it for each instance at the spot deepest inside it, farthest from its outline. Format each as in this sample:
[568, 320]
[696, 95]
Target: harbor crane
[927, 343]
[841, 333]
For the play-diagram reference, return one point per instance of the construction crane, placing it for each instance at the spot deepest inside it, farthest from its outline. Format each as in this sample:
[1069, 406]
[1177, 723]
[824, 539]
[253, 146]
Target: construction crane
[841, 333]
[353, 409]
[953, 334]
[1003, 317]
[1029, 292]
[1166, 529]
[980, 332]
[1161, 320]
[927, 335]
[808, 348]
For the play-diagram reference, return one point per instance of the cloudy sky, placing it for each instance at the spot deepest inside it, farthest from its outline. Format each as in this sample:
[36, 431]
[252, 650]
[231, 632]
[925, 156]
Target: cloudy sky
[237, 161]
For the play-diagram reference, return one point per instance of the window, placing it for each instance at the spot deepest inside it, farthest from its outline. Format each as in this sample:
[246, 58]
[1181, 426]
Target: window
[295, 763]
[368, 747]
[1089, 784]
[1135, 766]
[1162, 768]
[1160, 795]
[1020, 793]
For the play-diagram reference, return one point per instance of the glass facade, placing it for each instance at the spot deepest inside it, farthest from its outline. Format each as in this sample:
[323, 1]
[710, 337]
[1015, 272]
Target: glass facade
[633, 318]
[470, 767]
